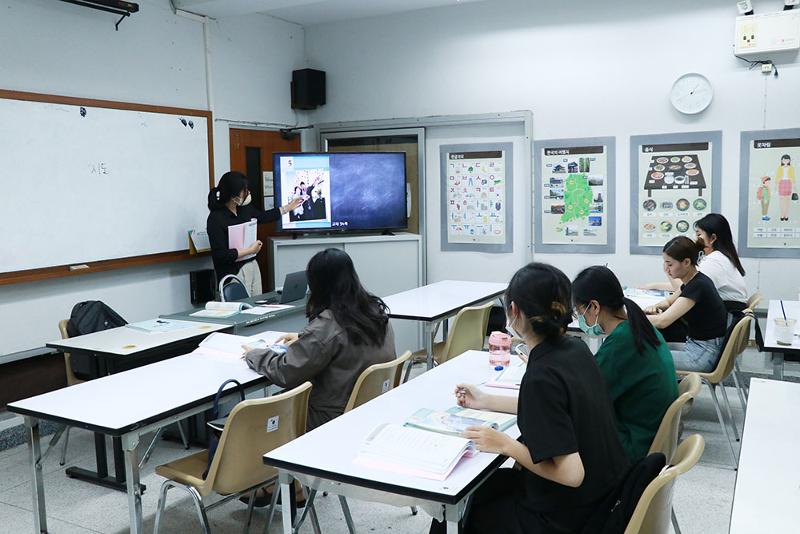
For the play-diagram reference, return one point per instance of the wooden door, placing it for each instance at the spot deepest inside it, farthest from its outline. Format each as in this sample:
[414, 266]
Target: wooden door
[251, 154]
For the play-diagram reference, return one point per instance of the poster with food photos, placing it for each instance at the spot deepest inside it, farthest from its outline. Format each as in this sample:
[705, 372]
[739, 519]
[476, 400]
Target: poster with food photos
[676, 183]
[770, 208]
[476, 190]
[572, 188]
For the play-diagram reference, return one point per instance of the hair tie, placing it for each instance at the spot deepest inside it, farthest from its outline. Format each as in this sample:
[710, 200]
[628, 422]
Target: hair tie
[558, 308]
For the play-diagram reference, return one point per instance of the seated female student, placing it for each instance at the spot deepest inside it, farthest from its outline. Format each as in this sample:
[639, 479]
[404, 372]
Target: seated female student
[697, 301]
[634, 359]
[348, 330]
[569, 452]
[229, 205]
[720, 262]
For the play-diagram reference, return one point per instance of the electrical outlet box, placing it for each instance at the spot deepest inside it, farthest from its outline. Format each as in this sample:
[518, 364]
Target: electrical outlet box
[769, 32]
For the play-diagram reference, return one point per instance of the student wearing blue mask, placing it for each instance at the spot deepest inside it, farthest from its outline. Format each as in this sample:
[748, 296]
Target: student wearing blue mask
[634, 359]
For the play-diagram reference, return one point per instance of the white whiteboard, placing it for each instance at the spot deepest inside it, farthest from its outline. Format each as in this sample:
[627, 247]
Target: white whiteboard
[81, 184]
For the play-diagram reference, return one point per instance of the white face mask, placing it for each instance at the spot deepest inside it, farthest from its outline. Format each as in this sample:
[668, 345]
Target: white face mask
[510, 328]
[247, 200]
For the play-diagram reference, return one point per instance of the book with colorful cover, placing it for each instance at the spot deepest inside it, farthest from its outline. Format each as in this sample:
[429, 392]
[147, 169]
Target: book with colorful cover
[457, 419]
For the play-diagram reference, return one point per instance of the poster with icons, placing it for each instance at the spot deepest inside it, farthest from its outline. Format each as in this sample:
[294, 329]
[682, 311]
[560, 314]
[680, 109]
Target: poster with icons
[574, 195]
[769, 218]
[675, 180]
[477, 182]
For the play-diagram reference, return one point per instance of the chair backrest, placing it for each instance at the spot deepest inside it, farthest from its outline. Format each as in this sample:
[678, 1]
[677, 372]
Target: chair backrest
[253, 428]
[734, 346]
[666, 438]
[754, 300]
[376, 380]
[231, 288]
[653, 511]
[71, 378]
[468, 331]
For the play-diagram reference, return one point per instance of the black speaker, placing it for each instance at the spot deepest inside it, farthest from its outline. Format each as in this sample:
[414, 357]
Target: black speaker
[203, 286]
[308, 89]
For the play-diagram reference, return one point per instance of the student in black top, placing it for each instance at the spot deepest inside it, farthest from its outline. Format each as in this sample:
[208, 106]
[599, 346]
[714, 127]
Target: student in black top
[569, 455]
[229, 204]
[698, 302]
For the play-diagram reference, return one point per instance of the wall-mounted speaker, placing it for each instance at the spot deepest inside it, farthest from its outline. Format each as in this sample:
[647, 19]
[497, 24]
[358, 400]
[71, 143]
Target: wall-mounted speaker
[308, 89]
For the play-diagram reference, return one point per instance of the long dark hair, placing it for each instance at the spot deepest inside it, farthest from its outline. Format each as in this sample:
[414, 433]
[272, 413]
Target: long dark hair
[334, 285]
[681, 248]
[230, 185]
[599, 283]
[716, 224]
[542, 293]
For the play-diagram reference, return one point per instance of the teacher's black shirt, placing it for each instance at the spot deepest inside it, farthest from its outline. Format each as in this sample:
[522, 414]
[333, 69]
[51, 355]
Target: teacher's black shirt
[217, 227]
[564, 408]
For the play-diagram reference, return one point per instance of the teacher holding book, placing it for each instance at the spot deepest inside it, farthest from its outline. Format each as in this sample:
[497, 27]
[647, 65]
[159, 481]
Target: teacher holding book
[229, 205]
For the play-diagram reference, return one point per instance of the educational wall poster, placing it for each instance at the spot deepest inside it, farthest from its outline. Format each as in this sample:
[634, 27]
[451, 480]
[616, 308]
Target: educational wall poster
[574, 195]
[476, 194]
[770, 209]
[674, 182]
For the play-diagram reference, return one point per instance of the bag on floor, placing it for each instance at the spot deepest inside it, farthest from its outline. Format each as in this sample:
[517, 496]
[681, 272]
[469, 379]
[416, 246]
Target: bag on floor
[217, 422]
[92, 316]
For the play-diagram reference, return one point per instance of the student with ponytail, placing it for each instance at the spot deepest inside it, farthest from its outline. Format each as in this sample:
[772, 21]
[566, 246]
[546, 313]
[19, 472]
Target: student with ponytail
[697, 301]
[229, 204]
[634, 359]
[569, 454]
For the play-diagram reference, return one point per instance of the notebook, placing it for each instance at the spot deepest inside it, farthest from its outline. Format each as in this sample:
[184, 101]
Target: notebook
[412, 451]
[220, 310]
[509, 378]
[229, 346]
[241, 236]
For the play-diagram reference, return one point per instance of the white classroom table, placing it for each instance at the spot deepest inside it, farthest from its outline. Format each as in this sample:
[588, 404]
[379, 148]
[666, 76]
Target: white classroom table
[116, 349]
[767, 493]
[114, 405]
[323, 458]
[792, 308]
[434, 303]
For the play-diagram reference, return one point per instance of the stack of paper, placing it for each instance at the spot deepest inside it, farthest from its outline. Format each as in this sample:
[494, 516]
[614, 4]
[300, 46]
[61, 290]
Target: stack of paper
[510, 377]
[230, 346]
[241, 236]
[412, 451]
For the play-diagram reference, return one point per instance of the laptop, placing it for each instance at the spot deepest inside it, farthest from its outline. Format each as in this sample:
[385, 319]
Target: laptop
[294, 287]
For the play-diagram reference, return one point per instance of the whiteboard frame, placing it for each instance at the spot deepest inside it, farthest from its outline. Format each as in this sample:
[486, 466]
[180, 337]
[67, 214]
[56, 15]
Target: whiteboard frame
[44, 273]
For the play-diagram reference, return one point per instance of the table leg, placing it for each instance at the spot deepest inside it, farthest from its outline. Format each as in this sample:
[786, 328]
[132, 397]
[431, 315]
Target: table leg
[119, 460]
[286, 513]
[777, 365]
[429, 333]
[451, 516]
[37, 483]
[445, 329]
[131, 441]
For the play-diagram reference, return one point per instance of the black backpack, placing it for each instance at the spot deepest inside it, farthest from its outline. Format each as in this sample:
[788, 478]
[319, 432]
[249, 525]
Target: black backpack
[92, 316]
[615, 511]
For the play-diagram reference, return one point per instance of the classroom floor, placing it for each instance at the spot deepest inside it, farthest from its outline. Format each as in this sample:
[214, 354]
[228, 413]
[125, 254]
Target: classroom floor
[702, 498]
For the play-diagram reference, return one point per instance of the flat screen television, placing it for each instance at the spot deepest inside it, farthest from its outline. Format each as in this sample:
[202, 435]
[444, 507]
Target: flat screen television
[342, 191]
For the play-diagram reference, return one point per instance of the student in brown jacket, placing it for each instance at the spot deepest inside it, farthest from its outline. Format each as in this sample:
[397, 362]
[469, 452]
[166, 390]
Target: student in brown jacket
[348, 330]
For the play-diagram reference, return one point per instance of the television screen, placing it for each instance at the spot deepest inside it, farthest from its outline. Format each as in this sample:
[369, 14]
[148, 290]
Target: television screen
[342, 190]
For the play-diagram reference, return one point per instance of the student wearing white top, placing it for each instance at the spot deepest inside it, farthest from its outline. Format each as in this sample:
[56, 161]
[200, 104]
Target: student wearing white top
[720, 262]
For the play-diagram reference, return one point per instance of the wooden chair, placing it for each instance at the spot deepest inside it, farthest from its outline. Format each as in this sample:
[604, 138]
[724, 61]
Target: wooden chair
[735, 345]
[652, 513]
[668, 434]
[237, 467]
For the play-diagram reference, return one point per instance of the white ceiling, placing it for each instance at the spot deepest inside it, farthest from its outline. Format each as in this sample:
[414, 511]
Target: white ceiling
[310, 12]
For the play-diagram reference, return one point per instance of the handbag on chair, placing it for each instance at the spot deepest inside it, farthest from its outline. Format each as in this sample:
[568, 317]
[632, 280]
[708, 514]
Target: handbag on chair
[217, 423]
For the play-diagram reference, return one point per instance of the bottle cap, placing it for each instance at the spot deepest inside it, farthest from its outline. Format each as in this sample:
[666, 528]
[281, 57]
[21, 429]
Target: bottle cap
[498, 368]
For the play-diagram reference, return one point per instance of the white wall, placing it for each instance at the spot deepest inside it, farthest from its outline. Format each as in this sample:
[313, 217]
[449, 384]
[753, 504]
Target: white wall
[584, 68]
[154, 58]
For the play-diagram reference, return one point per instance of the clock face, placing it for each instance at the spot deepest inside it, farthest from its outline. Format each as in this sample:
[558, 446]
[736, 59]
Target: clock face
[691, 93]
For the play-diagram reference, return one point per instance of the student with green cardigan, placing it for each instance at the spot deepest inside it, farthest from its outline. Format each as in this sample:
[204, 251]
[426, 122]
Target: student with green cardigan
[634, 359]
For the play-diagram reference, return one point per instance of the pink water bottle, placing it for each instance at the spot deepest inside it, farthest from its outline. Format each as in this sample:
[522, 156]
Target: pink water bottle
[499, 348]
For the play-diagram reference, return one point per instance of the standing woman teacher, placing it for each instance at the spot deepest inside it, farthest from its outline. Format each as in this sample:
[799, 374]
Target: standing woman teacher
[229, 205]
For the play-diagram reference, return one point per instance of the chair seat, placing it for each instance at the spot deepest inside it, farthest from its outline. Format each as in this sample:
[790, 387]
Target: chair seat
[188, 470]
[438, 349]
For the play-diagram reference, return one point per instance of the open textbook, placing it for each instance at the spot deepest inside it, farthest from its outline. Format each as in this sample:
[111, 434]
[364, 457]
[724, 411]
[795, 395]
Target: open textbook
[412, 451]
[455, 420]
[230, 346]
[220, 310]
